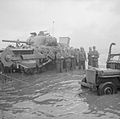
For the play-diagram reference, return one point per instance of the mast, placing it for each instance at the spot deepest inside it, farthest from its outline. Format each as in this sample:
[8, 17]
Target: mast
[53, 28]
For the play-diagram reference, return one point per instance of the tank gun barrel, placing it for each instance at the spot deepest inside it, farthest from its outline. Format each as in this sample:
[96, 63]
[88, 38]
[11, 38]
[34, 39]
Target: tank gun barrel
[14, 41]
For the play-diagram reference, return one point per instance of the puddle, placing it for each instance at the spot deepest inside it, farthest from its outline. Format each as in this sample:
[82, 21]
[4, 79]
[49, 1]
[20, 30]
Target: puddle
[57, 97]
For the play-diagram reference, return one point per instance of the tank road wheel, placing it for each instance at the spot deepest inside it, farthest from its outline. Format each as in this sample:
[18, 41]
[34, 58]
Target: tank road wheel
[29, 71]
[43, 69]
[107, 88]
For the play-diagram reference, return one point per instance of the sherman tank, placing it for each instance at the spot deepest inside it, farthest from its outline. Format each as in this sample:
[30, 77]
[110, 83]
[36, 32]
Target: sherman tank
[29, 56]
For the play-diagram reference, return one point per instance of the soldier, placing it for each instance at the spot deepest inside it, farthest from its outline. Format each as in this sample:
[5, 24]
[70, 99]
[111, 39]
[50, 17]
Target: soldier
[72, 58]
[82, 59]
[30, 40]
[95, 56]
[90, 57]
[41, 33]
[59, 62]
[72, 62]
[58, 55]
[77, 57]
[68, 63]
[62, 61]
[18, 43]
[67, 60]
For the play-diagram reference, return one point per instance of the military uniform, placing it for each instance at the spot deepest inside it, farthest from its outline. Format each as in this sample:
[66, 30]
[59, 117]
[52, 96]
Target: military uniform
[95, 56]
[73, 59]
[90, 57]
[82, 59]
[67, 60]
[31, 40]
[59, 62]
[72, 62]
[68, 63]
[77, 57]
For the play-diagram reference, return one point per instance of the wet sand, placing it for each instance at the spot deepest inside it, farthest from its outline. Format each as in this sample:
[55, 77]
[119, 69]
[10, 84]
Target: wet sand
[53, 95]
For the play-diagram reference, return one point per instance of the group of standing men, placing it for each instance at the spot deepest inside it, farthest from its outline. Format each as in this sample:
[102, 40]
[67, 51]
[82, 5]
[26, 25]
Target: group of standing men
[68, 59]
[65, 60]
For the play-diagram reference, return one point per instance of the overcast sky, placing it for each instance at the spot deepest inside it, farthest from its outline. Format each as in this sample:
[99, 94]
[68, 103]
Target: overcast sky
[86, 22]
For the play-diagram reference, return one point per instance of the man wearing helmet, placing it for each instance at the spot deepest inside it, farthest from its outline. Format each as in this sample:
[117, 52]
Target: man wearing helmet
[95, 56]
[30, 40]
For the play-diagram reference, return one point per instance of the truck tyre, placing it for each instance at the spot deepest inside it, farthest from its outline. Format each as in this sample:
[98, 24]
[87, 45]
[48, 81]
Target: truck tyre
[107, 88]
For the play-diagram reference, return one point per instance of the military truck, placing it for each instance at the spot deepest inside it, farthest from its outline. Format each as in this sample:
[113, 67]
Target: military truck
[104, 80]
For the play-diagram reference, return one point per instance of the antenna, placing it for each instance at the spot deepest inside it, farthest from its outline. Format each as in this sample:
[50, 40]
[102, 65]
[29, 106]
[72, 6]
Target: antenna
[53, 28]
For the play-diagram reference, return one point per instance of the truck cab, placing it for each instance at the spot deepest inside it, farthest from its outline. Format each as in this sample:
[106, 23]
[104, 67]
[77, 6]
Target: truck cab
[104, 80]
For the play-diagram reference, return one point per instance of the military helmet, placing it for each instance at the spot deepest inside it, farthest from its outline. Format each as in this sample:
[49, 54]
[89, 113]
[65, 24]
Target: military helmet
[94, 47]
[34, 33]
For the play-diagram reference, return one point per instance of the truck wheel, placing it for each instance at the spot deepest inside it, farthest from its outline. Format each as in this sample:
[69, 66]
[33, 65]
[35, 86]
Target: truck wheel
[107, 88]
